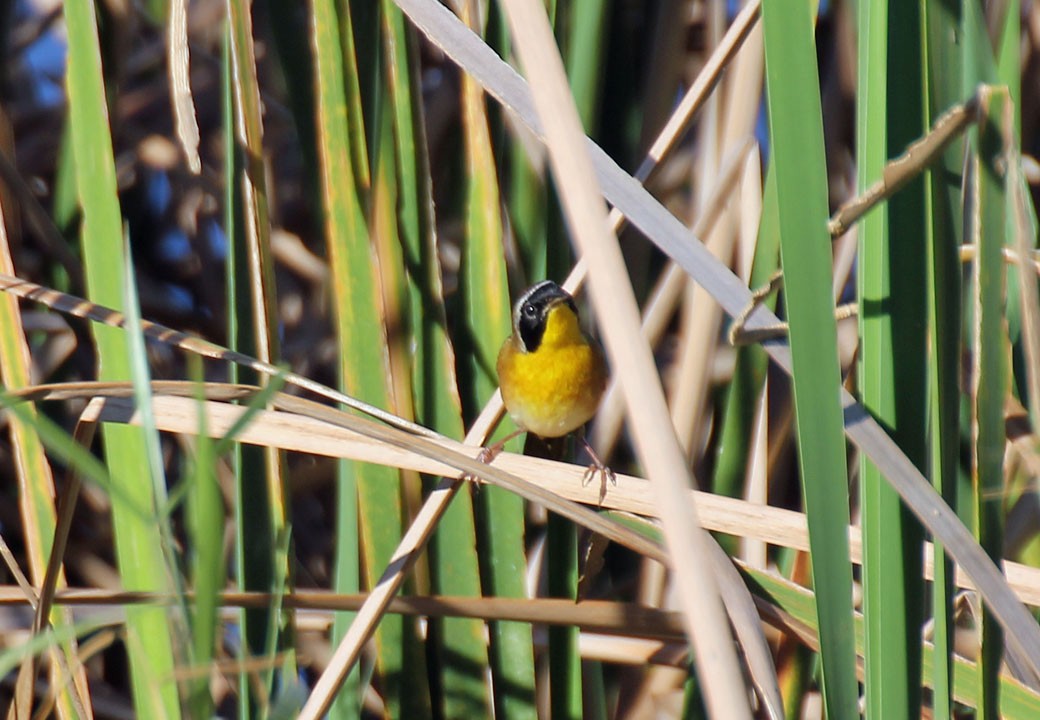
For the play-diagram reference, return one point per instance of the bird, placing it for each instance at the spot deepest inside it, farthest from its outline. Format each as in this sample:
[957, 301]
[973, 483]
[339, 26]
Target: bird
[551, 373]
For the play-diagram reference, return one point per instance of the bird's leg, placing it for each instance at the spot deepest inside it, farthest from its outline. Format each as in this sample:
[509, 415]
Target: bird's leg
[596, 467]
[488, 453]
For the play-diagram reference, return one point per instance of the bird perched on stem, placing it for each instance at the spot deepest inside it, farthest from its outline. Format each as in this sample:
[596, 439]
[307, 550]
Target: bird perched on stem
[551, 373]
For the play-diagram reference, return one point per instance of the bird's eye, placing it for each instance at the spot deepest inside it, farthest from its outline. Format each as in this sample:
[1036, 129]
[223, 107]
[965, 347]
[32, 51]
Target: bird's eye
[529, 311]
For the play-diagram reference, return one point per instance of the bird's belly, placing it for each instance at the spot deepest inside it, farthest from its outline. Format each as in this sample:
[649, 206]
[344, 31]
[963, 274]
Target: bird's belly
[554, 393]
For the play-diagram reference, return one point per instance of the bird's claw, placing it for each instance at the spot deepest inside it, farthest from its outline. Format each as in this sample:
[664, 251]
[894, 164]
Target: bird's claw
[486, 456]
[605, 474]
[603, 471]
[596, 467]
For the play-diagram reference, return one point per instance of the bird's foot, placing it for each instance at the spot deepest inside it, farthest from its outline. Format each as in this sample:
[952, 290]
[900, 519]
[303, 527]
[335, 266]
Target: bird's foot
[602, 471]
[488, 453]
[486, 456]
[597, 469]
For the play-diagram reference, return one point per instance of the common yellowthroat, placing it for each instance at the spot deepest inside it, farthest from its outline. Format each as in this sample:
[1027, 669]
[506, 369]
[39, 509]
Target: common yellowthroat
[551, 373]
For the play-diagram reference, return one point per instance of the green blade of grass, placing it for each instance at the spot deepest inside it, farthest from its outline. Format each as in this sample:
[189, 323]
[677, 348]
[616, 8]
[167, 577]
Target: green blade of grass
[362, 58]
[205, 524]
[485, 292]
[1009, 62]
[526, 192]
[393, 280]
[583, 29]
[460, 653]
[142, 565]
[246, 461]
[976, 60]
[141, 381]
[749, 373]
[565, 690]
[369, 496]
[943, 89]
[1007, 73]
[987, 205]
[584, 47]
[797, 145]
[526, 200]
[328, 56]
[892, 370]
[261, 512]
[255, 224]
[64, 203]
[434, 384]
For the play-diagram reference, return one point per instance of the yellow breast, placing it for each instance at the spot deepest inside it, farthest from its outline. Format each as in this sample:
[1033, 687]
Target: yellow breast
[556, 388]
